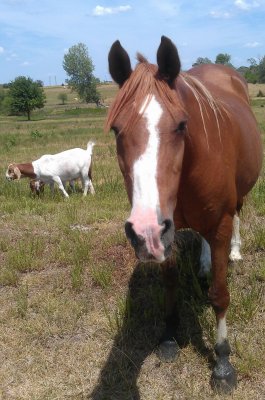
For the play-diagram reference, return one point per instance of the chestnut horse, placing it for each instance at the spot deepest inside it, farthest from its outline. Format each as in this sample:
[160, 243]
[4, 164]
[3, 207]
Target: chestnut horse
[189, 149]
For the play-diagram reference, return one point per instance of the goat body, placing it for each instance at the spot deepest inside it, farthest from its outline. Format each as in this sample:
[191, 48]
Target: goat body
[68, 165]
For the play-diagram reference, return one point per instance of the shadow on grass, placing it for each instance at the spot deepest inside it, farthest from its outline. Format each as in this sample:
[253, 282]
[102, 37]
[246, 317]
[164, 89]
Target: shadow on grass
[143, 325]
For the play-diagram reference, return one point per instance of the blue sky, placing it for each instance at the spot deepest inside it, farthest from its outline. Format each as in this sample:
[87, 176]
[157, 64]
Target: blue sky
[34, 35]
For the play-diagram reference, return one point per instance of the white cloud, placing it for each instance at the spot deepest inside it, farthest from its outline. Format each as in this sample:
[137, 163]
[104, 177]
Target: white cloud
[252, 44]
[220, 14]
[246, 5]
[10, 56]
[24, 64]
[166, 6]
[99, 10]
[1, 50]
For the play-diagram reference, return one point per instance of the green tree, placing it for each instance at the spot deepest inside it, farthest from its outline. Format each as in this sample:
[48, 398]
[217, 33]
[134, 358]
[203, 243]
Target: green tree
[2, 95]
[79, 67]
[251, 76]
[261, 70]
[251, 72]
[25, 95]
[40, 83]
[202, 60]
[223, 58]
[4, 101]
[63, 97]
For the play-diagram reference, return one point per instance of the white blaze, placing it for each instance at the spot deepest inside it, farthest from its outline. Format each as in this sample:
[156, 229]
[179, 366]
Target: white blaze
[145, 191]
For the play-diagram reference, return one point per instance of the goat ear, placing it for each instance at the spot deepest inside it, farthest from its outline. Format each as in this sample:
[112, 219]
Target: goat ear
[168, 60]
[119, 63]
[17, 172]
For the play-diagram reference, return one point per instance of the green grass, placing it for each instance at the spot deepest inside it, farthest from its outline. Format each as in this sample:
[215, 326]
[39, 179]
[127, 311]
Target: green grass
[75, 309]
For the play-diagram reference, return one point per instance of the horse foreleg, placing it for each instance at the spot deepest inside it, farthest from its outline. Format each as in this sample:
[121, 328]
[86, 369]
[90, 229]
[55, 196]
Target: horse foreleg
[168, 349]
[224, 378]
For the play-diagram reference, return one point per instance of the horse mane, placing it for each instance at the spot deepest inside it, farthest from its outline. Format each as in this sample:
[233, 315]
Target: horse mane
[204, 98]
[142, 83]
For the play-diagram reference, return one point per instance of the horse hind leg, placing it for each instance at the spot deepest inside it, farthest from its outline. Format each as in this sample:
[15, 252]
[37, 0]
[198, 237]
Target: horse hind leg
[205, 259]
[235, 254]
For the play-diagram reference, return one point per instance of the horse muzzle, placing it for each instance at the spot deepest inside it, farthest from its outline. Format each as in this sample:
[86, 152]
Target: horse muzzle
[152, 243]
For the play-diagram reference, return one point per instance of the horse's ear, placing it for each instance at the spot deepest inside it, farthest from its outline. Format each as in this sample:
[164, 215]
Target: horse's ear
[119, 63]
[168, 60]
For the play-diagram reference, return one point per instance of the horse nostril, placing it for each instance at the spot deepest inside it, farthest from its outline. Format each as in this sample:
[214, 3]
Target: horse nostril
[167, 225]
[134, 238]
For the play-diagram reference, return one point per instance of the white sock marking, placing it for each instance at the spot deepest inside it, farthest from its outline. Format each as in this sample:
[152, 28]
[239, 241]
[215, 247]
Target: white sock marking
[221, 330]
[235, 241]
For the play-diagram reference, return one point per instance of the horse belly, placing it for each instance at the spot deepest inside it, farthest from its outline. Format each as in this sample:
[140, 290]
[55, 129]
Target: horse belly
[249, 162]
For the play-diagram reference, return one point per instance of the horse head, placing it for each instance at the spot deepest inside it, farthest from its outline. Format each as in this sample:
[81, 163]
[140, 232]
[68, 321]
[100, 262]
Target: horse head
[149, 123]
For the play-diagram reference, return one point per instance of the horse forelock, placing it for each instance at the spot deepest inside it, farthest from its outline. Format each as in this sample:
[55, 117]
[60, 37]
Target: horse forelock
[141, 59]
[141, 85]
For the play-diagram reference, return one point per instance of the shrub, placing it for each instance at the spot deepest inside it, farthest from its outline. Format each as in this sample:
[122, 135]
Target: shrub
[260, 94]
[62, 97]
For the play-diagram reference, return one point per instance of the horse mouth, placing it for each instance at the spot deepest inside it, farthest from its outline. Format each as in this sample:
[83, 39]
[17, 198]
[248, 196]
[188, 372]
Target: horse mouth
[144, 256]
[149, 247]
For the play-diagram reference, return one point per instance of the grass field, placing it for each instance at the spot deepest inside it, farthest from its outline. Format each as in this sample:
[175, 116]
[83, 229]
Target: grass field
[70, 327]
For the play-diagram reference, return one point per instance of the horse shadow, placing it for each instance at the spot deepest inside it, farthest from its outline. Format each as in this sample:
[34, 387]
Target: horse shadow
[143, 322]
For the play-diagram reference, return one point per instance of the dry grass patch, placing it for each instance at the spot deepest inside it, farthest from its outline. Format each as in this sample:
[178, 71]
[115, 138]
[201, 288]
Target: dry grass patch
[254, 89]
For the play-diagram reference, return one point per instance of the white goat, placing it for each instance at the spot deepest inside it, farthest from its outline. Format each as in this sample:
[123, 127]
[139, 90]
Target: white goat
[58, 168]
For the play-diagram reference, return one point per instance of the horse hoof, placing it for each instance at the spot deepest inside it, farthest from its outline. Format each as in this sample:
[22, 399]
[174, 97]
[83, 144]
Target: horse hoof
[235, 256]
[224, 378]
[168, 351]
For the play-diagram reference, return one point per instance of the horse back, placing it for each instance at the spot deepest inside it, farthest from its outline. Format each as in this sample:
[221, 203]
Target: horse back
[221, 79]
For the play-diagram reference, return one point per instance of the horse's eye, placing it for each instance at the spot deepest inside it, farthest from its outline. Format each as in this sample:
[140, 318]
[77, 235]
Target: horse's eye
[181, 127]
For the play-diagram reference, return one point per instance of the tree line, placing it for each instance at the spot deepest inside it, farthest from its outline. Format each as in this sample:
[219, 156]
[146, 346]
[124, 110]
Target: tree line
[23, 95]
[254, 73]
